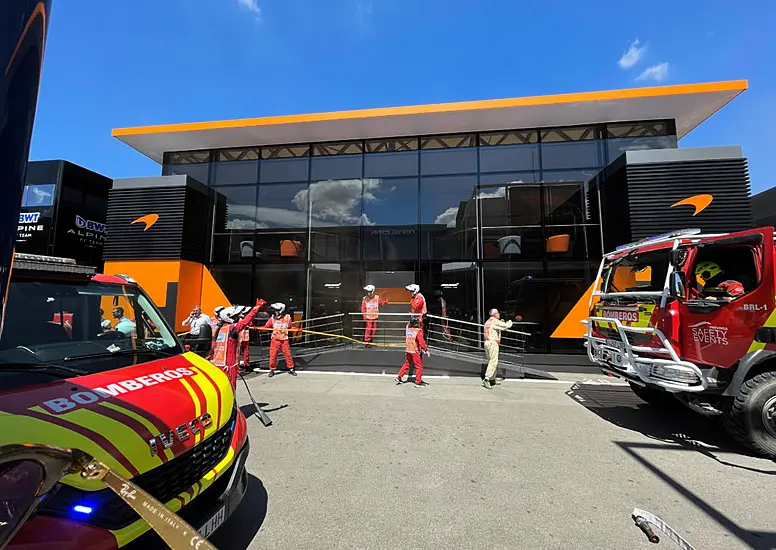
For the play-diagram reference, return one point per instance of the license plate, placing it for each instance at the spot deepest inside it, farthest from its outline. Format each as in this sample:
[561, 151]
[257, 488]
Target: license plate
[213, 523]
[616, 344]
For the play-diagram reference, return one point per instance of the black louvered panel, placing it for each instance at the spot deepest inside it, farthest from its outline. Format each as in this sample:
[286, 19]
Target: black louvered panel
[654, 187]
[615, 209]
[197, 227]
[161, 241]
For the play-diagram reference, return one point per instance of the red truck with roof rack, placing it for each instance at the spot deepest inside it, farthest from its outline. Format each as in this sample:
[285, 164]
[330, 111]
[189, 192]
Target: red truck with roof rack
[692, 318]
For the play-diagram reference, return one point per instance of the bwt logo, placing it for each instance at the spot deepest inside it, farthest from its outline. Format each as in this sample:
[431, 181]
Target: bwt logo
[89, 225]
[29, 217]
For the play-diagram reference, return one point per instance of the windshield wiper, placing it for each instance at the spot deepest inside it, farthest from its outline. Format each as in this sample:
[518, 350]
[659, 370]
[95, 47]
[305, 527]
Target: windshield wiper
[43, 368]
[108, 353]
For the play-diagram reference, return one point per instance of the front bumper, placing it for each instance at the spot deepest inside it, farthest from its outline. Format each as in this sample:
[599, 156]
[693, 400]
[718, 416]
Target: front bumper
[643, 364]
[227, 492]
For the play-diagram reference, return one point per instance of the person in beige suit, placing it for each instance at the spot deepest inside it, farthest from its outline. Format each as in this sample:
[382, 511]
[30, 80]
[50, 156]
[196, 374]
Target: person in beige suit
[493, 328]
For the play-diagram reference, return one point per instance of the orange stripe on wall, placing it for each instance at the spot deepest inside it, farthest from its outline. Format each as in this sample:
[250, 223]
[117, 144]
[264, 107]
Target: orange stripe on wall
[571, 326]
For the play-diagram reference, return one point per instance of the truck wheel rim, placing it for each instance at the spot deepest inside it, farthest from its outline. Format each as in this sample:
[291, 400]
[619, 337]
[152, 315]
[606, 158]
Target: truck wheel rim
[769, 416]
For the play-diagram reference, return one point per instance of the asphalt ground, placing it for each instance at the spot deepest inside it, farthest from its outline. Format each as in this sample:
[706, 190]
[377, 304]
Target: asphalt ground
[357, 462]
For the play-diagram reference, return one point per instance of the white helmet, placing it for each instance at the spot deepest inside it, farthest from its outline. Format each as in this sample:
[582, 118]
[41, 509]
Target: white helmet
[413, 288]
[370, 289]
[232, 313]
[492, 312]
[279, 308]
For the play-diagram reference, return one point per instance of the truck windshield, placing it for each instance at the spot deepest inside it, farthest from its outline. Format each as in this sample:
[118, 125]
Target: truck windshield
[92, 327]
[637, 272]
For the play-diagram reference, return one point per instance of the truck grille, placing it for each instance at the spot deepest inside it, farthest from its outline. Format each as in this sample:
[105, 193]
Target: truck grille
[634, 338]
[163, 483]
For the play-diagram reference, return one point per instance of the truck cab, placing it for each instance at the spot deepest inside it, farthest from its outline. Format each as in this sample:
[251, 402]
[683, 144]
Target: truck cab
[87, 361]
[691, 317]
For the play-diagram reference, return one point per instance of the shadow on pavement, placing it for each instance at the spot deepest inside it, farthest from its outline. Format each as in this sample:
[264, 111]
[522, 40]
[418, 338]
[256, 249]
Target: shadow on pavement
[241, 528]
[671, 424]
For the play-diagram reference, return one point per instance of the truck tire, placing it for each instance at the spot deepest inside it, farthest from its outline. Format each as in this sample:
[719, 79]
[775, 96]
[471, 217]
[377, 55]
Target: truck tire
[653, 396]
[751, 417]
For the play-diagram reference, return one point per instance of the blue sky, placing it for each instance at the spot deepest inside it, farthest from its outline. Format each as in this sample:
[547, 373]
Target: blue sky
[140, 62]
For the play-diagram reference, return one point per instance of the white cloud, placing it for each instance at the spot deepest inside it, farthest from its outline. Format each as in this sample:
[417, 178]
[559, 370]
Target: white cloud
[251, 5]
[447, 217]
[658, 73]
[499, 193]
[632, 55]
[338, 202]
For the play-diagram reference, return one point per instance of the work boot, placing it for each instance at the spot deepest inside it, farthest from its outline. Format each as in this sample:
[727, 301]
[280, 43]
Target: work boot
[420, 383]
[271, 373]
[495, 382]
[292, 372]
[487, 385]
[399, 380]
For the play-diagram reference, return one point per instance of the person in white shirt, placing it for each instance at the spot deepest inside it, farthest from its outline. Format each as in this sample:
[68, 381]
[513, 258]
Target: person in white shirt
[493, 328]
[196, 320]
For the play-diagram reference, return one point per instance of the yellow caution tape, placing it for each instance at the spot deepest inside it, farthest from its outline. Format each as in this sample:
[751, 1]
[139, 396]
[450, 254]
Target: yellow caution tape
[342, 336]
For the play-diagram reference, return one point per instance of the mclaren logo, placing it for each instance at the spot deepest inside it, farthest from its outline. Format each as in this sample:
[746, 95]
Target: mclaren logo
[148, 220]
[699, 202]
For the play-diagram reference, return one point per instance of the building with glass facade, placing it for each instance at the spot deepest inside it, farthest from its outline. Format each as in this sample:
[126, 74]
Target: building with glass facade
[485, 204]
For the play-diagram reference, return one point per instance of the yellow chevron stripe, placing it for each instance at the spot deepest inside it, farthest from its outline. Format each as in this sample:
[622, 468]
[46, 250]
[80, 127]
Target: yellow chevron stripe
[211, 398]
[151, 428]
[17, 428]
[219, 377]
[131, 532]
[771, 322]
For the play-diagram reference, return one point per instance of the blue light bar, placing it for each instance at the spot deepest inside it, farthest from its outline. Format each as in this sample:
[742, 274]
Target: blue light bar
[81, 509]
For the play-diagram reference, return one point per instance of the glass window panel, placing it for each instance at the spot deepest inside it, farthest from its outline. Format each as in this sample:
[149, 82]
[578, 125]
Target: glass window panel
[578, 154]
[285, 151]
[284, 170]
[344, 148]
[510, 204]
[335, 203]
[509, 158]
[448, 217]
[235, 281]
[226, 155]
[454, 296]
[518, 288]
[391, 145]
[335, 244]
[391, 201]
[567, 282]
[236, 172]
[240, 208]
[565, 203]
[616, 147]
[578, 242]
[513, 243]
[447, 142]
[448, 161]
[382, 165]
[578, 133]
[40, 194]
[187, 157]
[234, 247]
[324, 168]
[279, 245]
[639, 129]
[283, 206]
[509, 177]
[282, 283]
[518, 137]
[198, 172]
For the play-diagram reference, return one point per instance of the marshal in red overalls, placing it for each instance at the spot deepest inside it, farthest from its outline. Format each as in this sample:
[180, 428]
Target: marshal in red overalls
[280, 326]
[227, 343]
[370, 308]
[414, 346]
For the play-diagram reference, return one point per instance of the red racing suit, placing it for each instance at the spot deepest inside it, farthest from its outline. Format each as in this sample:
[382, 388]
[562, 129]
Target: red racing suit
[370, 308]
[280, 327]
[414, 346]
[418, 308]
[245, 342]
[227, 344]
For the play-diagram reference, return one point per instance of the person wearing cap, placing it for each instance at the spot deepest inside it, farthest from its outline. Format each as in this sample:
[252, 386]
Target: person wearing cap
[370, 310]
[233, 320]
[414, 346]
[493, 328]
[280, 323]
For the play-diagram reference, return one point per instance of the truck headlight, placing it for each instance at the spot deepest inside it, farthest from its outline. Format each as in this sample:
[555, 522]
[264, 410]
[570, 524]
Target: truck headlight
[675, 374]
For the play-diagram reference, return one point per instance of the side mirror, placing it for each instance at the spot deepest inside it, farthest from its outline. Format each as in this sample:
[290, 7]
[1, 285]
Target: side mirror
[678, 257]
[29, 472]
[677, 285]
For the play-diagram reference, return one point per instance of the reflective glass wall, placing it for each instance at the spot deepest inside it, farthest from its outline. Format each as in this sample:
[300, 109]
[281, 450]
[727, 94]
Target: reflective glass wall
[497, 219]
